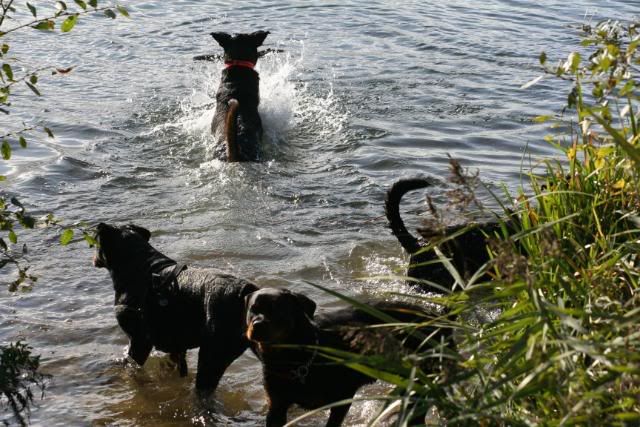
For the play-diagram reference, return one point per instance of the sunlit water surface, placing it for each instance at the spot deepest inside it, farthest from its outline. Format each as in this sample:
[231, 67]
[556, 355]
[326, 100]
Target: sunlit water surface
[365, 92]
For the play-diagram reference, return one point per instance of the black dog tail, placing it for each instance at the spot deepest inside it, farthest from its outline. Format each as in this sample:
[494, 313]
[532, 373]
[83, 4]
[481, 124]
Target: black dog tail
[231, 130]
[392, 210]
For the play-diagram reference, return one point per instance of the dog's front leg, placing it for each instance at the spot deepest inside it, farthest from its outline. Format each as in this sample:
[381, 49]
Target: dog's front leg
[131, 322]
[277, 412]
[337, 415]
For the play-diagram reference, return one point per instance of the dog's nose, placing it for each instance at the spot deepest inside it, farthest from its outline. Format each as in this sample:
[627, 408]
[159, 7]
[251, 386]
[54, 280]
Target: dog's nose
[97, 261]
[258, 329]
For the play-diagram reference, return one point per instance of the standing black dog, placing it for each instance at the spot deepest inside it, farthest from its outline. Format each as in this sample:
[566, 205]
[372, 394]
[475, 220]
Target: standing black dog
[158, 303]
[467, 251]
[236, 124]
[301, 376]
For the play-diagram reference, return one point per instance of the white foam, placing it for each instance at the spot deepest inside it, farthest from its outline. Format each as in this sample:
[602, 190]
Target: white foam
[286, 103]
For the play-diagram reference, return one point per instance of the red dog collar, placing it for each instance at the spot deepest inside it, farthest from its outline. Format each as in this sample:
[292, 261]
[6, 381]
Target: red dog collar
[239, 63]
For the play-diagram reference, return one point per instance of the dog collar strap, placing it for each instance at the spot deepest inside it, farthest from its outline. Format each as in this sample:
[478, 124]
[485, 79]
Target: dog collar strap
[239, 63]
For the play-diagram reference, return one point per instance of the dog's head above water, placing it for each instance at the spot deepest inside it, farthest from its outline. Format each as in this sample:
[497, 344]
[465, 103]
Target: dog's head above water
[274, 315]
[241, 47]
[116, 243]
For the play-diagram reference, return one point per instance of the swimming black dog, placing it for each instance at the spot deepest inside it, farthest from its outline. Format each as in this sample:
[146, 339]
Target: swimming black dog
[161, 304]
[301, 376]
[236, 124]
[467, 249]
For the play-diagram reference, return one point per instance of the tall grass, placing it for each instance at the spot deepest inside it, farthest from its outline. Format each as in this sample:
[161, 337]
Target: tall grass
[560, 339]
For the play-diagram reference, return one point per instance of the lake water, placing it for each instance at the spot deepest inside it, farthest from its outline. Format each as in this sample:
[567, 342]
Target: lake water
[366, 92]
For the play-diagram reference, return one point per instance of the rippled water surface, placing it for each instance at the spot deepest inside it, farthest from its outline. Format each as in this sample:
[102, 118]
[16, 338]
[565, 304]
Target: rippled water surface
[366, 92]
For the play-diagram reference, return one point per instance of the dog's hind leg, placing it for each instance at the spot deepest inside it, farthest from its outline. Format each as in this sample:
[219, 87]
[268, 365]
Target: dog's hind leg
[337, 415]
[180, 359]
[277, 412]
[214, 357]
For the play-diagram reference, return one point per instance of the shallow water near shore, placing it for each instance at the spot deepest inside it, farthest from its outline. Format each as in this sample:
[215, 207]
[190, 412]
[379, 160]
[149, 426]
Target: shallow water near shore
[363, 94]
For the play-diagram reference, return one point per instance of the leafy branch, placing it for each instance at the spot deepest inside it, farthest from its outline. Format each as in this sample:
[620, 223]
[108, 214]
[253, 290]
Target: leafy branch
[48, 23]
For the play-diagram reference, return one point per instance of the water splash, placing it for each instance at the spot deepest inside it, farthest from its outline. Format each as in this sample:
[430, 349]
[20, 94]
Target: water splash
[293, 111]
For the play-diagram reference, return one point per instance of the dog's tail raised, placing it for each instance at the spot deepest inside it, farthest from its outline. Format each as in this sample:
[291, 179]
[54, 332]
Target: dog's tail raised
[231, 131]
[392, 210]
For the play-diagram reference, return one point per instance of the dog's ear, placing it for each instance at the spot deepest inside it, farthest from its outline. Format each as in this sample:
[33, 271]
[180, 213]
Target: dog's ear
[143, 232]
[258, 37]
[104, 230]
[307, 304]
[223, 39]
[247, 301]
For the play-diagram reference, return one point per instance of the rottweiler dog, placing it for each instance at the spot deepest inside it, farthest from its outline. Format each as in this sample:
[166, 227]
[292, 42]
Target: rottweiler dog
[466, 249]
[236, 125]
[301, 375]
[161, 304]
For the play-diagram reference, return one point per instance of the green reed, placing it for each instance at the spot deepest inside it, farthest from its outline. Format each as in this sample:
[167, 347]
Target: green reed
[559, 339]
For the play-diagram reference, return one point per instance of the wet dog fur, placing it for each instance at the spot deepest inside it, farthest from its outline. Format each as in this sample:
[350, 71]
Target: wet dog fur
[301, 376]
[236, 124]
[157, 304]
[467, 251]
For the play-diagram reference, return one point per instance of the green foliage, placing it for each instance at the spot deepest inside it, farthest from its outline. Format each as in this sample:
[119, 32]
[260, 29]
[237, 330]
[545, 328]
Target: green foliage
[18, 376]
[12, 213]
[558, 342]
[18, 369]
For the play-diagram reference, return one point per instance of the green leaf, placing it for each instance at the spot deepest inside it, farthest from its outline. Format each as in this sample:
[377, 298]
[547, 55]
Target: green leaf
[69, 23]
[627, 416]
[110, 13]
[542, 119]
[12, 237]
[33, 88]
[543, 58]
[627, 88]
[32, 9]
[27, 221]
[5, 48]
[81, 3]
[574, 61]
[93, 3]
[7, 71]
[3, 178]
[60, 5]
[47, 25]
[5, 150]
[123, 11]
[3, 245]
[33, 79]
[48, 131]
[90, 240]
[66, 236]
[632, 151]
[23, 142]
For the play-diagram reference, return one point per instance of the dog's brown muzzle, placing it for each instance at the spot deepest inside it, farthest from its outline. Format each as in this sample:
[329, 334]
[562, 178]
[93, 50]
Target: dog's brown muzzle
[257, 331]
